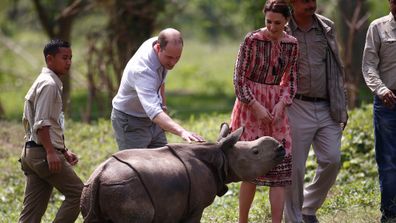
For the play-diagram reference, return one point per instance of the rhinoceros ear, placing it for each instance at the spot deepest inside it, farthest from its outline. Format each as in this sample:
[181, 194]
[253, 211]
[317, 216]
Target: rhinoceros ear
[224, 131]
[229, 141]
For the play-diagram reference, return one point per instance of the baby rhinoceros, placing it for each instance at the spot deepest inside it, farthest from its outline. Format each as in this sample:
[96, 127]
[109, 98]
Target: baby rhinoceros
[176, 182]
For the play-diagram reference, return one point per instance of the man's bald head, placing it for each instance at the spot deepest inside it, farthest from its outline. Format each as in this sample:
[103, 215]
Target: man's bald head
[169, 47]
[170, 36]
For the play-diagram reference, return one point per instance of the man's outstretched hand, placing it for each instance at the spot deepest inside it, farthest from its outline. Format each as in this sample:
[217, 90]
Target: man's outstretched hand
[192, 137]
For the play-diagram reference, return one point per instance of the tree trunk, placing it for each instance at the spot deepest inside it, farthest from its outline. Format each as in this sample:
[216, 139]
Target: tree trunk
[131, 23]
[59, 25]
[353, 31]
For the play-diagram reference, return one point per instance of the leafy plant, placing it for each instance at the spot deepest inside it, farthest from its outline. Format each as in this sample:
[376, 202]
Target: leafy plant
[358, 154]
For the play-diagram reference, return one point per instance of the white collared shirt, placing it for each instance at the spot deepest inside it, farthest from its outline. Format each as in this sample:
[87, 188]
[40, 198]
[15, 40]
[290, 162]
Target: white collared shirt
[379, 56]
[139, 91]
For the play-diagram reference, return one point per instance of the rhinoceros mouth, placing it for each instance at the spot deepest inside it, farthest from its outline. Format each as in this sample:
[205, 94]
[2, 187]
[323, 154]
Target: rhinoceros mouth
[280, 153]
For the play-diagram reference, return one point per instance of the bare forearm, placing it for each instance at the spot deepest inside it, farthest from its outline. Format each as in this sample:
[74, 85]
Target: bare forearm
[45, 139]
[54, 163]
[166, 123]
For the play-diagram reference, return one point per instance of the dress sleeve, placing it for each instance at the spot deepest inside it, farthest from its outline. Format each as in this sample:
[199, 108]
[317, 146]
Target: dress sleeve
[289, 79]
[242, 65]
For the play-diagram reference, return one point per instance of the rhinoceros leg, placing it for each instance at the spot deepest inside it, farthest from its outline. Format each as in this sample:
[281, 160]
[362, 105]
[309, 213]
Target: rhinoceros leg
[123, 197]
[194, 217]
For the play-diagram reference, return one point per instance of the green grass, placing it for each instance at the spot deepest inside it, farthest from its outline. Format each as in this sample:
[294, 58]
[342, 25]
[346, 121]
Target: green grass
[204, 68]
[354, 201]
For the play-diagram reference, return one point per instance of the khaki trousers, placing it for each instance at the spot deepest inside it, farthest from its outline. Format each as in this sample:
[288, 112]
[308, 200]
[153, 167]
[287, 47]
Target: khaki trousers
[311, 124]
[39, 185]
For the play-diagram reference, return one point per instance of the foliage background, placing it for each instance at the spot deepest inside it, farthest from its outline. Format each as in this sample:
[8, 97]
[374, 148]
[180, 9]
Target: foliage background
[200, 97]
[354, 198]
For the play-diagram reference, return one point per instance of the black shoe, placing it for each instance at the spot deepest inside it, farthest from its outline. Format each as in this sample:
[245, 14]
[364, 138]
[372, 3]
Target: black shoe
[310, 218]
[388, 220]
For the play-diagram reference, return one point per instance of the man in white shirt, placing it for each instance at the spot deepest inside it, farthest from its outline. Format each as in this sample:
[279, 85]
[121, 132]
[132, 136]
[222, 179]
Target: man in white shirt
[379, 71]
[139, 112]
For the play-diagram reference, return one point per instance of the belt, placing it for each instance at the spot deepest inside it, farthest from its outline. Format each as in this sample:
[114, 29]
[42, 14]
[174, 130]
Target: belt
[33, 144]
[311, 99]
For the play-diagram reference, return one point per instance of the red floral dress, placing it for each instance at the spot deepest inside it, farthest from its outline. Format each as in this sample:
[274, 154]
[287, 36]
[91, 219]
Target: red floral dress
[265, 71]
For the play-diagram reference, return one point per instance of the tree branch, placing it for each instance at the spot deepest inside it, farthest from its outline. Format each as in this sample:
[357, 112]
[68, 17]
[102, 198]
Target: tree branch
[18, 50]
[73, 9]
[45, 21]
[362, 21]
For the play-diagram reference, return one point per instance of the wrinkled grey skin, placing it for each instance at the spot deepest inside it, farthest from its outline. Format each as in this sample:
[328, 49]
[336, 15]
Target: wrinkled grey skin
[154, 185]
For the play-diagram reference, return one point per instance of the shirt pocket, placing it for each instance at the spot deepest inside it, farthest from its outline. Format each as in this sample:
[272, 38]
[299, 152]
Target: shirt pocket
[389, 42]
[388, 50]
[388, 37]
[318, 49]
[40, 167]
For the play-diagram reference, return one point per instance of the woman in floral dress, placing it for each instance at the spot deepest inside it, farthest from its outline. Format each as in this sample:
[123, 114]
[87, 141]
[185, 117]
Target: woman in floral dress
[265, 84]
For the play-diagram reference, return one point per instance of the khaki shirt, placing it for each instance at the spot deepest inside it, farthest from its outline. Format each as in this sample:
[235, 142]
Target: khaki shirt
[334, 70]
[311, 61]
[43, 107]
[379, 56]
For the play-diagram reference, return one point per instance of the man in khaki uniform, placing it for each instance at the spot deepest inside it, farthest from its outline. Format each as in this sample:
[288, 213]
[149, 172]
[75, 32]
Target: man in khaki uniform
[45, 160]
[318, 112]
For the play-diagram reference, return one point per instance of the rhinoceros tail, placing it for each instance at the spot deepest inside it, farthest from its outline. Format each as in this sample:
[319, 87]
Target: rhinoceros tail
[89, 203]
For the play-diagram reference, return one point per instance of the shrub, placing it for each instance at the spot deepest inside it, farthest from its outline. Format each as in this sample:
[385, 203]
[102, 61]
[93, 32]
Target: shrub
[358, 154]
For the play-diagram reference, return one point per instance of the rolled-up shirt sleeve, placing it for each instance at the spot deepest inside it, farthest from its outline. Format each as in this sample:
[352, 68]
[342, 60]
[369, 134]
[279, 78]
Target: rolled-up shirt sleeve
[371, 60]
[147, 89]
[44, 114]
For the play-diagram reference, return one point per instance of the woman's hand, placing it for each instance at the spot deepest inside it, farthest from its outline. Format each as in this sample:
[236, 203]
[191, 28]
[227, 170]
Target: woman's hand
[278, 110]
[262, 113]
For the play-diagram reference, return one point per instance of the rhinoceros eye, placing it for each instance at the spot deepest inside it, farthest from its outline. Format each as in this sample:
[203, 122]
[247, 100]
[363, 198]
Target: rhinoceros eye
[255, 151]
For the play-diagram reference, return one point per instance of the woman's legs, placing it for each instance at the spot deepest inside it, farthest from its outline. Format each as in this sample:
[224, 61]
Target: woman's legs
[246, 196]
[277, 200]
